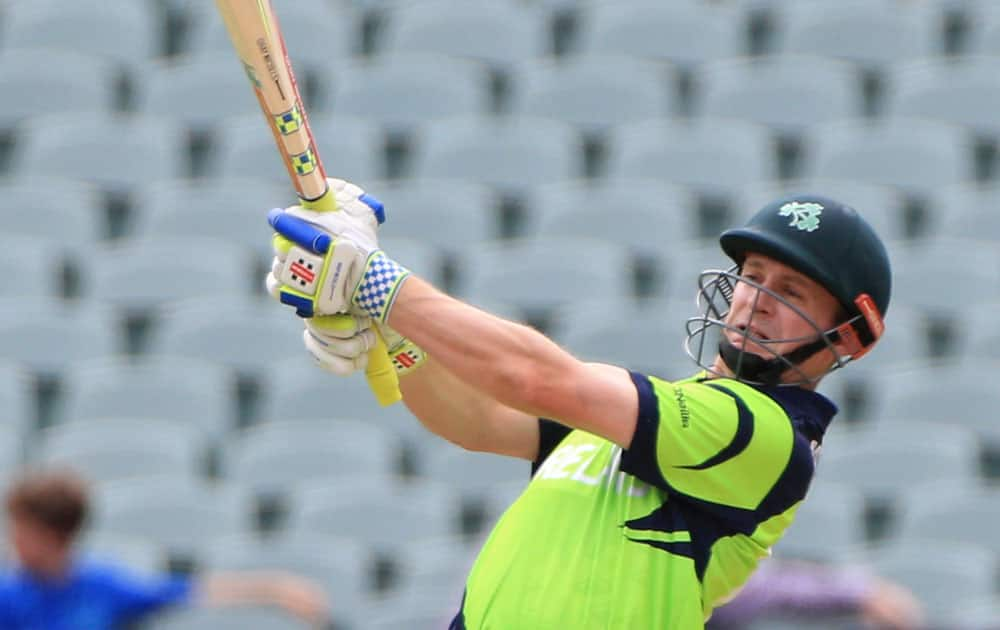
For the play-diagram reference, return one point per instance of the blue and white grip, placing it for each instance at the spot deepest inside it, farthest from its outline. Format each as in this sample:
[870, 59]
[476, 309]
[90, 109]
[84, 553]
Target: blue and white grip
[300, 232]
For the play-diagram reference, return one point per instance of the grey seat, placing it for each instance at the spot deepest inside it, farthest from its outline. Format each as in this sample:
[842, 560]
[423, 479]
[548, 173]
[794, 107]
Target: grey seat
[831, 512]
[382, 513]
[497, 33]
[122, 448]
[787, 93]
[142, 274]
[274, 456]
[416, 255]
[121, 30]
[70, 211]
[510, 154]
[546, 273]
[964, 211]
[964, 91]
[593, 92]
[917, 156]
[938, 571]
[242, 150]
[418, 208]
[942, 393]
[870, 33]
[37, 263]
[233, 209]
[975, 336]
[140, 556]
[685, 263]
[316, 33]
[880, 205]
[340, 566]
[641, 214]
[115, 152]
[714, 157]
[191, 392]
[894, 455]
[683, 33]
[473, 473]
[227, 618]
[18, 404]
[63, 82]
[400, 91]
[183, 515]
[942, 276]
[46, 335]
[192, 79]
[250, 338]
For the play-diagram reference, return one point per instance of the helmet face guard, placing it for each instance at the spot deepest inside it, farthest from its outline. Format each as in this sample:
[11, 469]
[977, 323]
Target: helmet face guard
[706, 337]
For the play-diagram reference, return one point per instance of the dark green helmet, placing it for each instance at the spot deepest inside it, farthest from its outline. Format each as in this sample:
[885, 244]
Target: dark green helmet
[832, 244]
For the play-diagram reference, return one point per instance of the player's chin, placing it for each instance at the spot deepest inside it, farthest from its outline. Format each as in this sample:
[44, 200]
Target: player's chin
[743, 344]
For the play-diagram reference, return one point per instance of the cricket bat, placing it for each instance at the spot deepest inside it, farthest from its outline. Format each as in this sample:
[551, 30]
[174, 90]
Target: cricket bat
[256, 36]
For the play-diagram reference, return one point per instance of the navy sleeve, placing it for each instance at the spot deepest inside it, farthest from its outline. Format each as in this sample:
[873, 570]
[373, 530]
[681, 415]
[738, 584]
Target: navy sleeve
[550, 433]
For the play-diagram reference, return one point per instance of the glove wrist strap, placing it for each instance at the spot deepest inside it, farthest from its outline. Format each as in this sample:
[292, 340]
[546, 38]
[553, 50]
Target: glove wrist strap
[406, 356]
[379, 285]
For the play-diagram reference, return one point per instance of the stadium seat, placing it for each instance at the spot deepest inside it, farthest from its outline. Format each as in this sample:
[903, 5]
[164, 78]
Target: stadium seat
[439, 564]
[593, 92]
[191, 392]
[545, 273]
[403, 90]
[966, 211]
[246, 335]
[273, 457]
[787, 93]
[316, 33]
[115, 152]
[245, 149]
[47, 335]
[137, 555]
[872, 34]
[16, 399]
[683, 33]
[498, 33]
[340, 566]
[917, 156]
[232, 208]
[938, 570]
[64, 82]
[685, 263]
[975, 334]
[942, 393]
[418, 208]
[416, 255]
[881, 206]
[942, 277]
[963, 91]
[138, 275]
[649, 337]
[69, 213]
[983, 24]
[428, 609]
[473, 473]
[894, 455]
[187, 516]
[120, 448]
[226, 618]
[35, 264]
[713, 157]
[124, 31]
[12, 447]
[383, 513]
[212, 86]
[832, 512]
[640, 214]
[511, 154]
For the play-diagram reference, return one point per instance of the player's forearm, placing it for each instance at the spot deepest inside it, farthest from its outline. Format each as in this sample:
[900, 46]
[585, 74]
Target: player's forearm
[508, 362]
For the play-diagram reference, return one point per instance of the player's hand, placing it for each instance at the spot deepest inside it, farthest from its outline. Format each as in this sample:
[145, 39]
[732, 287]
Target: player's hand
[302, 598]
[329, 262]
[339, 344]
[890, 606]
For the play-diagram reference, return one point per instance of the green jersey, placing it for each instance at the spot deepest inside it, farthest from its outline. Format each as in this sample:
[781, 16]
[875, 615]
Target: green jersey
[656, 535]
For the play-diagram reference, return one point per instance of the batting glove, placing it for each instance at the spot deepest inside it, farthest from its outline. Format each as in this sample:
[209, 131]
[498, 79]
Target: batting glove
[340, 344]
[329, 262]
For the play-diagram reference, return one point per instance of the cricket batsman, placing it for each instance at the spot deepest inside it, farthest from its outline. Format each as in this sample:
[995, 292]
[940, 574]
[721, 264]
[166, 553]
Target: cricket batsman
[650, 501]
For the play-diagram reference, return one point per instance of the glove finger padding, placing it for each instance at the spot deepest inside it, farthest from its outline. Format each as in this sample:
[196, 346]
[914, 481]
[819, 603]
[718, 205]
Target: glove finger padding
[343, 326]
[339, 356]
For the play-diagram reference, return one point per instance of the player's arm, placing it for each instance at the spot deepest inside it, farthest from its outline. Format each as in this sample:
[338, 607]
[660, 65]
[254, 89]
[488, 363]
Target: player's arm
[515, 364]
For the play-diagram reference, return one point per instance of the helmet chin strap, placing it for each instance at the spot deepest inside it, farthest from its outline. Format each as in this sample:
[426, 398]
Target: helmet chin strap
[749, 366]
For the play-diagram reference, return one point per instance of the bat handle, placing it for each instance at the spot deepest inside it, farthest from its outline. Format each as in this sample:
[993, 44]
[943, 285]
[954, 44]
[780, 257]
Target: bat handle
[382, 378]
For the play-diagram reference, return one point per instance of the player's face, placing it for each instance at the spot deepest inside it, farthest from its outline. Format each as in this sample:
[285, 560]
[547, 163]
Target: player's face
[775, 323]
[38, 548]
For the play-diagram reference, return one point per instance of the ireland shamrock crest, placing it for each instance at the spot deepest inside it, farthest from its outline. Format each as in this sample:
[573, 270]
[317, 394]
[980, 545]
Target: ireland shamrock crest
[805, 216]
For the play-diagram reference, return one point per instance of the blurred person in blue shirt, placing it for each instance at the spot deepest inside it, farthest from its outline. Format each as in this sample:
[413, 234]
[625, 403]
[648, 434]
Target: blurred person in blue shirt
[51, 587]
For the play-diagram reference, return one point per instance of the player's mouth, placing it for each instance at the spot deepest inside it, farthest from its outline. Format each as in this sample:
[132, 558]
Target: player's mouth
[745, 337]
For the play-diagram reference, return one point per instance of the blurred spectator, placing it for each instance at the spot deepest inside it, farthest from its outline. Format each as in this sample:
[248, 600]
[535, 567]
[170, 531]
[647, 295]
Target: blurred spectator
[51, 588]
[789, 588]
